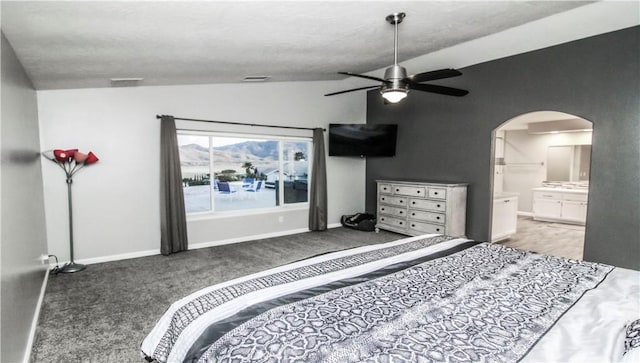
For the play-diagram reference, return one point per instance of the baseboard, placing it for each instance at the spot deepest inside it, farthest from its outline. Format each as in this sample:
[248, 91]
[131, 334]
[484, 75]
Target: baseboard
[221, 242]
[123, 256]
[36, 317]
[525, 214]
[254, 237]
[93, 260]
[195, 246]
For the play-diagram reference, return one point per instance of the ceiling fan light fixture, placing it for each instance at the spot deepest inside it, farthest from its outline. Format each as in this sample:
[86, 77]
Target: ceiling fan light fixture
[395, 85]
[394, 95]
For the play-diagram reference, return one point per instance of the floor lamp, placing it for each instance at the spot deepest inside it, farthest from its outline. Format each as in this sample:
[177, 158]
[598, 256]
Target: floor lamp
[70, 161]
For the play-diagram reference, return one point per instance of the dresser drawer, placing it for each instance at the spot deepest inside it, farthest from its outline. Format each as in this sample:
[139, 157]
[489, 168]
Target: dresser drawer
[399, 201]
[547, 195]
[412, 191]
[427, 204]
[575, 197]
[437, 193]
[392, 211]
[396, 222]
[426, 227]
[384, 188]
[426, 216]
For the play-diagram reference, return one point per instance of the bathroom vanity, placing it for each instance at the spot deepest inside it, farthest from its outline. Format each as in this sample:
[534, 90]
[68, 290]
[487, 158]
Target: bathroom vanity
[558, 204]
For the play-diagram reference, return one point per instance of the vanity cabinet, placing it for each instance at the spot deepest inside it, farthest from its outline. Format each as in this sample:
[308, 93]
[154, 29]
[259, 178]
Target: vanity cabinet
[560, 205]
[505, 216]
[415, 208]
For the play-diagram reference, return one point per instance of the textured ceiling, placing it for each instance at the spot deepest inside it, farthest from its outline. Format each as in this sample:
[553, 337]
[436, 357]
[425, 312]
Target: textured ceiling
[78, 44]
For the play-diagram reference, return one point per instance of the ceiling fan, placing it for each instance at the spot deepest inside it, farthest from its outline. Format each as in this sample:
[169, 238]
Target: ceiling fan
[396, 84]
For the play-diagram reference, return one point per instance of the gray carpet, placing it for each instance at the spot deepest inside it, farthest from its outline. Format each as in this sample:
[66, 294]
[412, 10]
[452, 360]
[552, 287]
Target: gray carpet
[102, 314]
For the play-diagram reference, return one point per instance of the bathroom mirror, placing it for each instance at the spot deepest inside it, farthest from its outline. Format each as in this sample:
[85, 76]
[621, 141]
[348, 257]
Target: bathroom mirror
[568, 163]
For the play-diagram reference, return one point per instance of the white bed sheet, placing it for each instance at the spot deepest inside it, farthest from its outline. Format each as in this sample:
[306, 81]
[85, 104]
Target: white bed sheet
[593, 329]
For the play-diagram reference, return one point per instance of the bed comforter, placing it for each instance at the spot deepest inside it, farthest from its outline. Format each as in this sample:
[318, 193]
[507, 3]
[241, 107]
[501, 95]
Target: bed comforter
[420, 299]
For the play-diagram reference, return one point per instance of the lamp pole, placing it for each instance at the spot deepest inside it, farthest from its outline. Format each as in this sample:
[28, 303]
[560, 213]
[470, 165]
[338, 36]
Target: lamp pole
[71, 266]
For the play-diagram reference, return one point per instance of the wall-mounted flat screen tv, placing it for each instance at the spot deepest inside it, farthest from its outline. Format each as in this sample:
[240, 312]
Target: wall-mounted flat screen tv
[363, 140]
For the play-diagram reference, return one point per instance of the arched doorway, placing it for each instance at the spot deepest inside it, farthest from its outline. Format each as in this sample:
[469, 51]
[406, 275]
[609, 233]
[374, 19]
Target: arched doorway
[541, 182]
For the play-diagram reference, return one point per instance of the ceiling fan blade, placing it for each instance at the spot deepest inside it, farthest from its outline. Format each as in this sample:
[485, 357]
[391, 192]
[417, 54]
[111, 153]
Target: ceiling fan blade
[449, 91]
[363, 76]
[433, 75]
[351, 90]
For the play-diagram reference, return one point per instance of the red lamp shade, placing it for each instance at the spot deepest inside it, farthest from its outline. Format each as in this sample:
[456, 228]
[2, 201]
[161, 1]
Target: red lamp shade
[91, 158]
[80, 157]
[64, 155]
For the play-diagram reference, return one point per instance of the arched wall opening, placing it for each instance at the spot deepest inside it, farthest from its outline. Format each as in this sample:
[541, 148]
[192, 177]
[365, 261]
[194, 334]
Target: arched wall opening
[540, 182]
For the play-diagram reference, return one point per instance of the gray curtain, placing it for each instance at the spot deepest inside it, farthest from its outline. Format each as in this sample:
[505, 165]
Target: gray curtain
[173, 220]
[318, 190]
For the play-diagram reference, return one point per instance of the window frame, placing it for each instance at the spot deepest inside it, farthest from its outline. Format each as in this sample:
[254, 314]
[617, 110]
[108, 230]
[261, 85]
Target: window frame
[212, 213]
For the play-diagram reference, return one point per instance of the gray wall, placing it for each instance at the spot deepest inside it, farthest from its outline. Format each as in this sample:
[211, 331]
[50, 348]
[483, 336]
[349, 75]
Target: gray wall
[448, 138]
[23, 226]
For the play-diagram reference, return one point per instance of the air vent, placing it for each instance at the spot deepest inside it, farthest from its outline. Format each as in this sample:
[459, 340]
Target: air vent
[125, 82]
[255, 78]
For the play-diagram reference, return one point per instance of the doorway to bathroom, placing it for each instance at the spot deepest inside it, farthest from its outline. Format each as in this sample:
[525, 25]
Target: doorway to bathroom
[541, 182]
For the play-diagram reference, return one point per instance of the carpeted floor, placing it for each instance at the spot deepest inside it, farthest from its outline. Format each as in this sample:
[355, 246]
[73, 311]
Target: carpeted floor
[102, 314]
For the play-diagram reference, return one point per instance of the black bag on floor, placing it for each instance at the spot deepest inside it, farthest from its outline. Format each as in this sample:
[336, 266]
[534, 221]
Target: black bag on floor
[360, 221]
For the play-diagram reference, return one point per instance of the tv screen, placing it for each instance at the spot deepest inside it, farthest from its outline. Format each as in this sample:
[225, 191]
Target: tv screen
[362, 140]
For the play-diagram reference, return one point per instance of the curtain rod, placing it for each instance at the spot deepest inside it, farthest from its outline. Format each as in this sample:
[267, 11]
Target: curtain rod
[238, 123]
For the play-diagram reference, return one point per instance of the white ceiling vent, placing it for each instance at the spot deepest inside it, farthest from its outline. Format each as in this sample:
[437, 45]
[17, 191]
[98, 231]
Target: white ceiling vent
[255, 78]
[125, 82]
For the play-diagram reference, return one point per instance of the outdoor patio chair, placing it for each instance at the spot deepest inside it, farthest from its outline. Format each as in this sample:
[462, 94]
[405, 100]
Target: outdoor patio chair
[247, 183]
[255, 189]
[225, 188]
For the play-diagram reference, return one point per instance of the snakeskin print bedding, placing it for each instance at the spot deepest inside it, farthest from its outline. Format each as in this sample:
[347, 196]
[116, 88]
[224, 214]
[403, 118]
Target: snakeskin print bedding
[482, 303]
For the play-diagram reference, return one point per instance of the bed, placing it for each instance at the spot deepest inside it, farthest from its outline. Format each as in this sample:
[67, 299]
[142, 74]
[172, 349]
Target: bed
[430, 298]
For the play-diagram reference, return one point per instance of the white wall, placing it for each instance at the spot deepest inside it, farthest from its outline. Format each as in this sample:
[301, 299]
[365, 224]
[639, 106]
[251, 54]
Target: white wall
[524, 148]
[116, 208]
[23, 219]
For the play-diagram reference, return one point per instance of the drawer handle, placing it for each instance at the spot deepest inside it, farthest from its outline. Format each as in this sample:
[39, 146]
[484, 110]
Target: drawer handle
[438, 205]
[382, 219]
[413, 225]
[413, 214]
[400, 212]
[381, 208]
[435, 193]
[418, 191]
[400, 223]
[384, 188]
[401, 201]
[382, 198]
[438, 217]
[413, 203]
[507, 201]
[437, 229]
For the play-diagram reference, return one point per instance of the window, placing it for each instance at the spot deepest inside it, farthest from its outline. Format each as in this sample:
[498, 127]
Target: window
[227, 172]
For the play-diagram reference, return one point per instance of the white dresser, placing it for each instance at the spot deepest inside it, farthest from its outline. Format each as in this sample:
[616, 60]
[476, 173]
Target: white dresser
[560, 205]
[415, 208]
